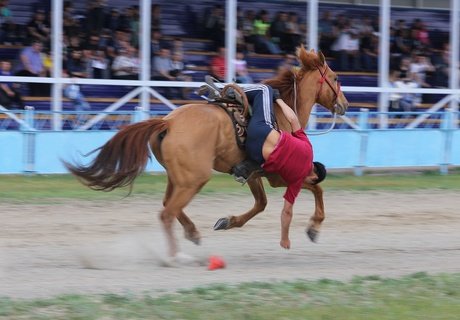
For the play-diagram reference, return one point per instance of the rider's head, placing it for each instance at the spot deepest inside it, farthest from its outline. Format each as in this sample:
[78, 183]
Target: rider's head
[317, 174]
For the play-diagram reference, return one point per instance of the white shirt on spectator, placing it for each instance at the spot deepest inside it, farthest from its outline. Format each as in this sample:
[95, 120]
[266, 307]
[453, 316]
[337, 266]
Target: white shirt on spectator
[122, 62]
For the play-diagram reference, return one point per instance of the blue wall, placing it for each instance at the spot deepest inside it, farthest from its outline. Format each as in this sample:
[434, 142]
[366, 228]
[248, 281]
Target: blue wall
[41, 151]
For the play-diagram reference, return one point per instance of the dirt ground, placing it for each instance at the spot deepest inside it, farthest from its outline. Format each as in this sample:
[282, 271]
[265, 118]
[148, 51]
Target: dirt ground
[118, 246]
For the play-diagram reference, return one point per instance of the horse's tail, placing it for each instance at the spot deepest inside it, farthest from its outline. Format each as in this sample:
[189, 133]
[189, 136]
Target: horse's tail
[122, 159]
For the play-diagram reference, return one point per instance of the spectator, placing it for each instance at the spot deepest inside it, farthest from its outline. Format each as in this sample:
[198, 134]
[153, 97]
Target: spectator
[156, 43]
[419, 67]
[74, 44]
[177, 47]
[129, 21]
[261, 36]
[126, 65]
[125, 19]
[156, 17]
[96, 16]
[279, 29]
[370, 52]
[162, 65]
[214, 26]
[31, 65]
[441, 62]
[76, 64]
[92, 43]
[105, 38]
[340, 22]
[38, 28]
[9, 93]
[404, 69]
[177, 67]
[327, 33]
[293, 33]
[5, 12]
[347, 49]
[119, 41]
[422, 35]
[404, 44]
[112, 20]
[135, 26]
[13, 34]
[247, 29]
[405, 102]
[218, 67]
[366, 28]
[179, 73]
[70, 23]
[241, 69]
[99, 65]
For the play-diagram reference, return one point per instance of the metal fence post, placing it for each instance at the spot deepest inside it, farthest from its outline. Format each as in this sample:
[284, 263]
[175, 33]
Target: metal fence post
[363, 124]
[447, 127]
[29, 139]
[138, 114]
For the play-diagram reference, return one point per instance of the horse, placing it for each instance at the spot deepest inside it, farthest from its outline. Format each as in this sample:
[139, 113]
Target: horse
[196, 138]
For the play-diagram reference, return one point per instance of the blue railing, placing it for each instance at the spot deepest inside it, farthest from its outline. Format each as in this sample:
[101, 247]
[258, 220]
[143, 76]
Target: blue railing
[72, 120]
[29, 145]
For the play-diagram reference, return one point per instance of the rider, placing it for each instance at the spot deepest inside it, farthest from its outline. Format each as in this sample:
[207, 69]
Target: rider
[289, 154]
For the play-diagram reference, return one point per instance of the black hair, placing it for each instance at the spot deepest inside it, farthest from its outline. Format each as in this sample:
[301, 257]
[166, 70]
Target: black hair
[321, 171]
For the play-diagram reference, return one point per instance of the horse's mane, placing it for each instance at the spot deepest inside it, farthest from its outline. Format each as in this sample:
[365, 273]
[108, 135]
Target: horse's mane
[284, 82]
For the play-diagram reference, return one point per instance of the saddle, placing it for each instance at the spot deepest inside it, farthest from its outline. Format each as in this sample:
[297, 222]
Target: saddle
[232, 99]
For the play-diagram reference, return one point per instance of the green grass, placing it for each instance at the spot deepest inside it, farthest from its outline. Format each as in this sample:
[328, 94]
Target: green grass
[418, 296]
[42, 187]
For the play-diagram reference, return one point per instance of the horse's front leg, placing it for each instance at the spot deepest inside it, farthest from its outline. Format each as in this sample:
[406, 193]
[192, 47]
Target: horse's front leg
[318, 216]
[258, 191]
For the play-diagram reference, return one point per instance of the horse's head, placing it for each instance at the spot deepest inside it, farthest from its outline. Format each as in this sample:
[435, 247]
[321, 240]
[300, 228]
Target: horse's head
[328, 93]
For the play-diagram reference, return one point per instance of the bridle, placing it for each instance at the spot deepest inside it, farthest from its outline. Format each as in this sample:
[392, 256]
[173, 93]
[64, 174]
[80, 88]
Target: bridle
[321, 81]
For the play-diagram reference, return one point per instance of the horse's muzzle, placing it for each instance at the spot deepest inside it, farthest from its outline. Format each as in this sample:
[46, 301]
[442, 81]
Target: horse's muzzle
[340, 109]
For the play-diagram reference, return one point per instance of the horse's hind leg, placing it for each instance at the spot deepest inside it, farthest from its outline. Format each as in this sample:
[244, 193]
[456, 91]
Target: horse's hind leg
[318, 217]
[258, 191]
[180, 197]
[190, 231]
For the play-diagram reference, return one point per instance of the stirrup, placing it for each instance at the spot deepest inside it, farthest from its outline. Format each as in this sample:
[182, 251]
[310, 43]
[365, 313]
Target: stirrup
[240, 179]
[244, 170]
[209, 87]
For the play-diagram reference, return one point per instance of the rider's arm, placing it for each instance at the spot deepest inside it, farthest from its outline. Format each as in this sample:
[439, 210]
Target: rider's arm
[289, 114]
[286, 218]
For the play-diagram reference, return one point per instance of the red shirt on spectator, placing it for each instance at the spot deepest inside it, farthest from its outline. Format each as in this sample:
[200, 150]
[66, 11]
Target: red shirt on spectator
[218, 67]
[292, 159]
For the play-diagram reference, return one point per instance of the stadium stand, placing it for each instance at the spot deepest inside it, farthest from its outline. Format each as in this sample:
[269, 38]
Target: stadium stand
[185, 21]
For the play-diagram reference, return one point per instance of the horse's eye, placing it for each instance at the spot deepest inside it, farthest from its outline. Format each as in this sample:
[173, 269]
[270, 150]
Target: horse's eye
[336, 79]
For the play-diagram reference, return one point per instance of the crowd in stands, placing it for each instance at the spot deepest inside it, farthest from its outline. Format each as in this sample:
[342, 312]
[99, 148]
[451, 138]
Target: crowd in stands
[103, 43]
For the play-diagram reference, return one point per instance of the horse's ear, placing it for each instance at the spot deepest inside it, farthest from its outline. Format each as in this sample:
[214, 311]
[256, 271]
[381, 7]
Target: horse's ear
[302, 55]
[321, 57]
[312, 50]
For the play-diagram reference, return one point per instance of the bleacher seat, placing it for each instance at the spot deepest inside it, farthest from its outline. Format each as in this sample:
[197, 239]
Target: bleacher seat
[183, 20]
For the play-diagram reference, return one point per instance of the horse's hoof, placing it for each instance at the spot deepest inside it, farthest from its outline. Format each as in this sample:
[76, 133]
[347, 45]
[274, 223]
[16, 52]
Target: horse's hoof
[195, 238]
[312, 234]
[222, 224]
[179, 260]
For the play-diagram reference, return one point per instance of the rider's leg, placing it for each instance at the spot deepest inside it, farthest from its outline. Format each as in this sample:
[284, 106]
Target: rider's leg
[260, 125]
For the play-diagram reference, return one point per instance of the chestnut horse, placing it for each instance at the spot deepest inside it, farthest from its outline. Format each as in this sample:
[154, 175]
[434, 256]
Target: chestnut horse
[196, 138]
